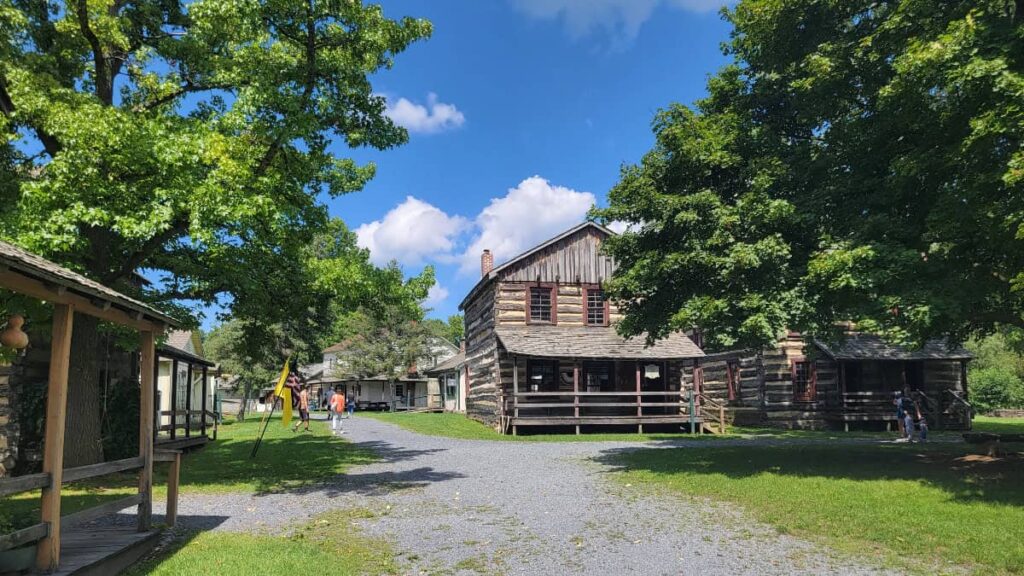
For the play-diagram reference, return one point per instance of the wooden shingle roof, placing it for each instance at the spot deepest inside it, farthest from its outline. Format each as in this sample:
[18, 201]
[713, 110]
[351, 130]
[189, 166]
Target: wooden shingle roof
[871, 347]
[41, 269]
[452, 363]
[592, 343]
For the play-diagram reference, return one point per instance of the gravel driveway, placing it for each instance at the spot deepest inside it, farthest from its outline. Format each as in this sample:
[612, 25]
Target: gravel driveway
[465, 506]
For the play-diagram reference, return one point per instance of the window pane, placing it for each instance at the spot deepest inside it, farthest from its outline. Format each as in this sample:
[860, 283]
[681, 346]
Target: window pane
[540, 304]
[595, 307]
[541, 376]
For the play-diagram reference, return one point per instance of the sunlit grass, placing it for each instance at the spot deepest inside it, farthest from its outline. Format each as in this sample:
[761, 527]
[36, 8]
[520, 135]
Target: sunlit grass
[903, 504]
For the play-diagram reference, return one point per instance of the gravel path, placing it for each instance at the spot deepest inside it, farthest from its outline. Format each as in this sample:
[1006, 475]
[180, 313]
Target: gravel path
[464, 506]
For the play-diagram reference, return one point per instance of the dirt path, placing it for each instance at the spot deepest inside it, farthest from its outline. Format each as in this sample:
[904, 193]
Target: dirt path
[462, 507]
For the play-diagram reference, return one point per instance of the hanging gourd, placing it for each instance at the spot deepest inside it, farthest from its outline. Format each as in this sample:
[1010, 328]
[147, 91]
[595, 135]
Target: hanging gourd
[13, 336]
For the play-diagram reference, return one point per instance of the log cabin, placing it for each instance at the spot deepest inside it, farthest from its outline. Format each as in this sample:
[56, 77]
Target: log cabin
[806, 383]
[542, 350]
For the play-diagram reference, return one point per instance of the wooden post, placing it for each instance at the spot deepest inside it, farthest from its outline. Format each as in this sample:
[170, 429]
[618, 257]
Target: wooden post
[157, 419]
[576, 394]
[147, 341]
[173, 474]
[188, 401]
[639, 410]
[202, 417]
[174, 398]
[48, 551]
[515, 394]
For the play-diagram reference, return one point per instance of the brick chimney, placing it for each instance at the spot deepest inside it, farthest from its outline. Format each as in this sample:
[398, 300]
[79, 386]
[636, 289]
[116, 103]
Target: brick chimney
[486, 263]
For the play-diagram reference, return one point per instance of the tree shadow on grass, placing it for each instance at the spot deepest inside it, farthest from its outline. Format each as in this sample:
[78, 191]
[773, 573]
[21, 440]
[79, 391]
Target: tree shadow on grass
[962, 474]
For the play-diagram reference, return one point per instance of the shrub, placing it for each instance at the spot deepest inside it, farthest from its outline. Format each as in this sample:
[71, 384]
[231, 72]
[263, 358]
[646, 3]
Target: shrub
[995, 387]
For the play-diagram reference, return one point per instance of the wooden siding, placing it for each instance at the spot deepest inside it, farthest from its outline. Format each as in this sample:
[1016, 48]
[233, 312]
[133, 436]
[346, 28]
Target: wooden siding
[574, 260]
[481, 346]
[511, 307]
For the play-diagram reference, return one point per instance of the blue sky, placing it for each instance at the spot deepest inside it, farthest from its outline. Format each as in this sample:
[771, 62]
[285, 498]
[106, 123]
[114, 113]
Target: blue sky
[520, 114]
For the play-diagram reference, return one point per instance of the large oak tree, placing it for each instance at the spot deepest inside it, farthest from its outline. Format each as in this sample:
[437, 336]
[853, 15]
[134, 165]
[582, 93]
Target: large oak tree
[190, 140]
[859, 160]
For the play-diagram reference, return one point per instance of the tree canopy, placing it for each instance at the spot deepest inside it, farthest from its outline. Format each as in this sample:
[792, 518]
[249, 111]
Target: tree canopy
[857, 161]
[188, 139]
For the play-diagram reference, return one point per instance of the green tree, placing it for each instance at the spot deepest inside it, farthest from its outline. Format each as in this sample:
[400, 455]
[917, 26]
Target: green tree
[384, 342]
[188, 139]
[858, 160]
[450, 329]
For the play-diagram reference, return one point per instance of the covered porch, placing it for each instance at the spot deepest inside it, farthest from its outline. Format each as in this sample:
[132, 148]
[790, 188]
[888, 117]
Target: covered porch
[589, 378]
[184, 398]
[871, 372]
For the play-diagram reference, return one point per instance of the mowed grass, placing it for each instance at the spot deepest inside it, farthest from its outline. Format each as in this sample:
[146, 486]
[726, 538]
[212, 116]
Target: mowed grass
[451, 425]
[328, 544]
[286, 460]
[998, 425]
[907, 505]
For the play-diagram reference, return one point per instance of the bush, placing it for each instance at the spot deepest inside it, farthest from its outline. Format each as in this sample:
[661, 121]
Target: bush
[995, 387]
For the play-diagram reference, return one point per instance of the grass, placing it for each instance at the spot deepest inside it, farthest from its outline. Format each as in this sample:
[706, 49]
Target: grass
[286, 460]
[998, 425]
[329, 544]
[904, 504]
[450, 425]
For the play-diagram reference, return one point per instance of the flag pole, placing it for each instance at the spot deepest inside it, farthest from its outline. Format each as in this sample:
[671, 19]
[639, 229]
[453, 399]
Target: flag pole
[266, 423]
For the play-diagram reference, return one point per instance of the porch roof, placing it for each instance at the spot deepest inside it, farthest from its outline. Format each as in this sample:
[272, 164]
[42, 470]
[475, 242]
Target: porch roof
[593, 342]
[871, 347]
[453, 363]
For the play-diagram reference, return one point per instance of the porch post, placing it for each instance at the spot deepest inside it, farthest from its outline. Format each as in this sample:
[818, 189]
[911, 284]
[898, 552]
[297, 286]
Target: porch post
[147, 354]
[188, 401]
[576, 393]
[48, 551]
[202, 417]
[157, 419]
[515, 394]
[174, 398]
[639, 410]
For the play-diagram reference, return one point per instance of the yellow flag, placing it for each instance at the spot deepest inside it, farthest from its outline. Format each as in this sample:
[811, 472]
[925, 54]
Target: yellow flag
[286, 394]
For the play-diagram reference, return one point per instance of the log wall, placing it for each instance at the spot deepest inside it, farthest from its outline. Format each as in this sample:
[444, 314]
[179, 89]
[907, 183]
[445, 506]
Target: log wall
[481, 354]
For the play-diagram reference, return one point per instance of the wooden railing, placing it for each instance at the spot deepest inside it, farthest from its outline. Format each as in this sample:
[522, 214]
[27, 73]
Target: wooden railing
[961, 407]
[29, 482]
[193, 421]
[712, 414]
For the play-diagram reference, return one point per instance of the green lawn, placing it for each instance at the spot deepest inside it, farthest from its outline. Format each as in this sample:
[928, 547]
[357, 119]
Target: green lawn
[902, 504]
[452, 425]
[999, 425]
[328, 544]
[286, 460]
[459, 426]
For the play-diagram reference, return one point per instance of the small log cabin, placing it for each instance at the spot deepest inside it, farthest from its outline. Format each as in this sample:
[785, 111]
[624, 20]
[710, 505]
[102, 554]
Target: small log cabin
[806, 383]
[542, 351]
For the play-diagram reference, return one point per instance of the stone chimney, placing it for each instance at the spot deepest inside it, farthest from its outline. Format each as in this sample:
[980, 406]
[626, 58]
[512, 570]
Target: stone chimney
[486, 263]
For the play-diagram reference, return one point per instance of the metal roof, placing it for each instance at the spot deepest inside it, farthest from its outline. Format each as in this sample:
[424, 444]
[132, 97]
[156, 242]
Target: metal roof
[39, 268]
[593, 343]
[870, 347]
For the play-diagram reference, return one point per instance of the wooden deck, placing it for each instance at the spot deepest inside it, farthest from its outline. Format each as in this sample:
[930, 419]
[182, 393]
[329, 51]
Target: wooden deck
[181, 443]
[104, 550]
[601, 420]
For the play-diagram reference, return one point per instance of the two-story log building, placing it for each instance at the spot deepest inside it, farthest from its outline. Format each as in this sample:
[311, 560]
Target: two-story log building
[541, 349]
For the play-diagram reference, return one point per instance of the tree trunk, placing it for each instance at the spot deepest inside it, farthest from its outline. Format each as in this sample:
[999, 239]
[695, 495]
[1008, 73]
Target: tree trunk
[83, 440]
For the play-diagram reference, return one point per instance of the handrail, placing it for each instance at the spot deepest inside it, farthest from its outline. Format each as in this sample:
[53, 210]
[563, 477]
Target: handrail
[24, 536]
[102, 469]
[100, 511]
[581, 393]
[708, 406]
[18, 484]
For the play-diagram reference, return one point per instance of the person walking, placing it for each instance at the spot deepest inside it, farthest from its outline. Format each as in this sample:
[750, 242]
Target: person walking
[337, 410]
[899, 414]
[351, 406]
[327, 401]
[303, 409]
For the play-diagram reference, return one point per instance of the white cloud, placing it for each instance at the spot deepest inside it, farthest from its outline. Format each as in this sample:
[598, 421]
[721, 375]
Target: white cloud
[434, 117]
[620, 19]
[410, 233]
[528, 214]
[618, 226]
[435, 295]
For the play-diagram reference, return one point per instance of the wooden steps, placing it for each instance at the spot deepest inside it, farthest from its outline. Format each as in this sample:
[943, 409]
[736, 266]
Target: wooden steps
[103, 550]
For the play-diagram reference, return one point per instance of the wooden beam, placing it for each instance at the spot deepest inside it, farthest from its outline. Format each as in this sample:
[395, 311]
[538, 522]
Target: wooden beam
[202, 418]
[23, 536]
[48, 551]
[174, 398]
[18, 484]
[21, 284]
[101, 469]
[173, 474]
[188, 400]
[639, 398]
[576, 392]
[147, 344]
[90, 514]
